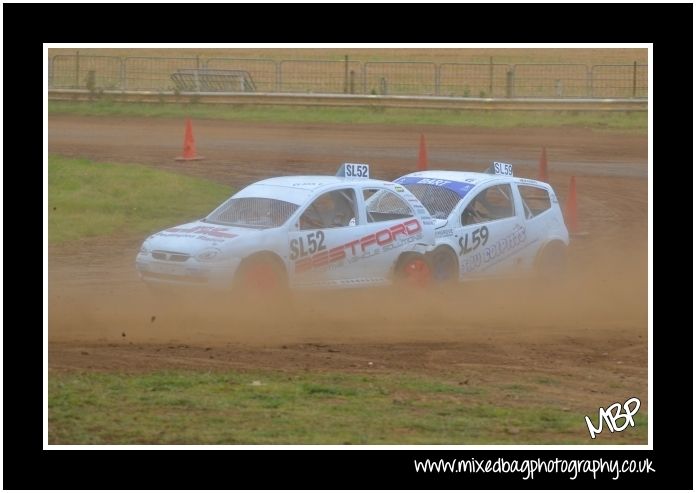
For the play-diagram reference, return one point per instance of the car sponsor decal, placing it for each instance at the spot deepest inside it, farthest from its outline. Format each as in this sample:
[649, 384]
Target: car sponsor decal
[456, 186]
[493, 253]
[200, 231]
[386, 238]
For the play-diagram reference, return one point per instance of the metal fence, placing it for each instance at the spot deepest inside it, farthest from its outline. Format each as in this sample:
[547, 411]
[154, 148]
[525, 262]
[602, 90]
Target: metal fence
[86, 72]
[264, 73]
[480, 80]
[317, 76]
[559, 81]
[619, 81]
[405, 78]
[154, 74]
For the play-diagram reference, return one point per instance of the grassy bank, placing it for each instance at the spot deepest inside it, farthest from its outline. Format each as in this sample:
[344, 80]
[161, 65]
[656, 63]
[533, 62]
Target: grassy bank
[620, 121]
[264, 407]
[87, 198]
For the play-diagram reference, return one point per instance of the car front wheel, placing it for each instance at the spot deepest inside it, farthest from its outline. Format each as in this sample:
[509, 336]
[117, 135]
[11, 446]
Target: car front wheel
[261, 275]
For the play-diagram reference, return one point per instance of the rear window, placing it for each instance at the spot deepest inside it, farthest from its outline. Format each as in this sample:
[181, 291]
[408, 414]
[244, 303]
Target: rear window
[535, 199]
[439, 201]
[252, 212]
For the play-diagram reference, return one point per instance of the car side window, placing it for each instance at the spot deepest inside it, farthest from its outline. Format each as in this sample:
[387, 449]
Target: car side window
[334, 209]
[489, 205]
[384, 205]
[535, 199]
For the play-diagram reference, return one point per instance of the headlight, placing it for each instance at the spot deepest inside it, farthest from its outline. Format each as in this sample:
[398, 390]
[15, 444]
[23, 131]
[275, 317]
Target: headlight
[207, 255]
[144, 250]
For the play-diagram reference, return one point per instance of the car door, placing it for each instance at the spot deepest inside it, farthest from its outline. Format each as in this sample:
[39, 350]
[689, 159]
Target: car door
[490, 234]
[391, 228]
[539, 219]
[324, 238]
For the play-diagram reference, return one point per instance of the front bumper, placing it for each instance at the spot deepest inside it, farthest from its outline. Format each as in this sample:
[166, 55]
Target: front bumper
[214, 275]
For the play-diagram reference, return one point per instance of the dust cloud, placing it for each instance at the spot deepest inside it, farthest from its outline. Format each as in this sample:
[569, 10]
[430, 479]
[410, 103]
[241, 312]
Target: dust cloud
[605, 288]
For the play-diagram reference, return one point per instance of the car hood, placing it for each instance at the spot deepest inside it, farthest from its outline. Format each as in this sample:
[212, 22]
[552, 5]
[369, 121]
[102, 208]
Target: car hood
[194, 237]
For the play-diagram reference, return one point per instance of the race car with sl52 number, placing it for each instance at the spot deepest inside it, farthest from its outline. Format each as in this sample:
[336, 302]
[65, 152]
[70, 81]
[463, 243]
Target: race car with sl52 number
[491, 224]
[298, 231]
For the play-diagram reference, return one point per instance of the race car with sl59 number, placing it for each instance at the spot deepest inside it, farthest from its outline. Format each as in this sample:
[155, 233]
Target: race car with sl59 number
[491, 224]
[298, 231]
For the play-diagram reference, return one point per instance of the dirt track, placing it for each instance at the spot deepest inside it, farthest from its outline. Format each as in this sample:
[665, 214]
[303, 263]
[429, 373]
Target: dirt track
[591, 335]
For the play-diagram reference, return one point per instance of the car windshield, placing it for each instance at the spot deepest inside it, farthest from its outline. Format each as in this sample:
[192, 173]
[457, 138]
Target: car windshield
[252, 212]
[439, 201]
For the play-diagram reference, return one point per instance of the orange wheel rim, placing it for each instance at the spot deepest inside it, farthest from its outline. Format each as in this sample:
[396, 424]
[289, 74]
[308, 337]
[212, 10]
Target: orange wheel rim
[417, 273]
[262, 278]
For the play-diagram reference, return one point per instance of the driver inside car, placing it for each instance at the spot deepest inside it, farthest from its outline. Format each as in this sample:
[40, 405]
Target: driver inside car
[475, 212]
[324, 213]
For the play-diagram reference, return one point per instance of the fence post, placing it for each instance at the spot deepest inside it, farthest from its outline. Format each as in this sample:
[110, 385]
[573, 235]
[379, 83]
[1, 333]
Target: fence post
[196, 76]
[279, 76]
[50, 71]
[345, 76]
[77, 70]
[509, 81]
[438, 78]
[490, 79]
[352, 81]
[91, 82]
[635, 68]
[122, 74]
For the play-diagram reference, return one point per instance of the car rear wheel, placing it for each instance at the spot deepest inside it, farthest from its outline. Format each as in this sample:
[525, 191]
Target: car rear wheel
[551, 264]
[444, 265]
[413, 270]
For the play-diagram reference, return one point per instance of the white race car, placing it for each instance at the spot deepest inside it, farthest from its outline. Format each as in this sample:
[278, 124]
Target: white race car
[298, 231]
[491, 224]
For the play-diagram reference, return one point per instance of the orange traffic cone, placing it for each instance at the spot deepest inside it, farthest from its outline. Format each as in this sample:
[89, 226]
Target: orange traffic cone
[571, 208]
[422, 155]
[543, 167]
[189, 145]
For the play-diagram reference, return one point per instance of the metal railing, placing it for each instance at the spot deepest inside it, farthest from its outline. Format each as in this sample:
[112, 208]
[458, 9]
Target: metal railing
[475, 80]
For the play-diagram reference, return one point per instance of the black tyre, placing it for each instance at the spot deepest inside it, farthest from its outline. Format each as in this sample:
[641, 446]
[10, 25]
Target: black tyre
[444, 265]
[551, 263]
